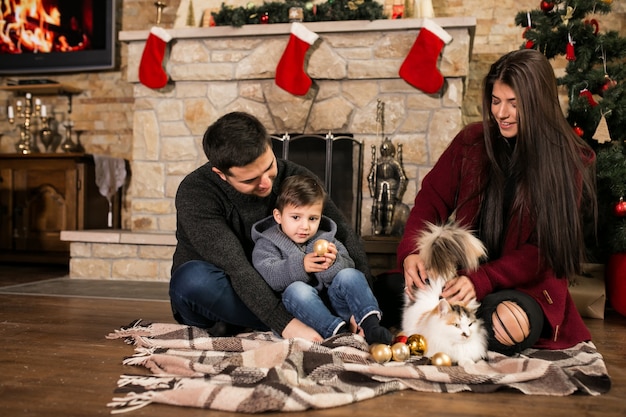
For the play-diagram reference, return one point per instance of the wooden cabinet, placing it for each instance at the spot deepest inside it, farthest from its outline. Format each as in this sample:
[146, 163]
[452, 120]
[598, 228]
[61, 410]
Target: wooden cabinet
[43, 194]
[381, 253]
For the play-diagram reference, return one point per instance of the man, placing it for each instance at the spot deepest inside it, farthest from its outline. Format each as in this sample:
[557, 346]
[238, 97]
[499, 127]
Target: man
[214, 284]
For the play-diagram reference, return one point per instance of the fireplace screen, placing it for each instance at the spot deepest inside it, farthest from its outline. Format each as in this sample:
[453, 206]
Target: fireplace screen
[337, 160]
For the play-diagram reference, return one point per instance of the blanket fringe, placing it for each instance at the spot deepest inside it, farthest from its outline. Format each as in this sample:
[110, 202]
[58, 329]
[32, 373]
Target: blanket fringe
[148, 382]
[132, 401]
[140, 357]
[130, 332]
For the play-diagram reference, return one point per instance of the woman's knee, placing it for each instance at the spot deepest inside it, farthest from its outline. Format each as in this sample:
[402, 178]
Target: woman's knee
[513, 319]
[510, 322]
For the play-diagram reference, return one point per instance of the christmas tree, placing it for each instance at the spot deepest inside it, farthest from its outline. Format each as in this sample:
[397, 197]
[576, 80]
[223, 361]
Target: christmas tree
[594, 80]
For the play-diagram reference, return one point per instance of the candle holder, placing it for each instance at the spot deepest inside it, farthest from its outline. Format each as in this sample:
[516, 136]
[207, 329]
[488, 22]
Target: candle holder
[46, 135]
[68, 145]
[28, 111]
[79, 146]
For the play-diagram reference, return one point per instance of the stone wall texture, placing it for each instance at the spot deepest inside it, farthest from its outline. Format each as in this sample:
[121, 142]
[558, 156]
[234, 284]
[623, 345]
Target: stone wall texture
[213, 76]
[122, 118]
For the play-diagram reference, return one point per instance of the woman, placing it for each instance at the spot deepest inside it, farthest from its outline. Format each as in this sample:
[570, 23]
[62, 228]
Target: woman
[519, 179]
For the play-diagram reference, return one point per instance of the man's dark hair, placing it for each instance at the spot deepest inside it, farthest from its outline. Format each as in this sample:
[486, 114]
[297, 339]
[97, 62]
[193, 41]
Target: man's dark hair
[235, 140]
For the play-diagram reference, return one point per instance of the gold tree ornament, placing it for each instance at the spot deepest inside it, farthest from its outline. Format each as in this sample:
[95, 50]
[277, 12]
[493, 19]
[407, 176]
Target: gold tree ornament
[569, 13]
[602, 131]
[191, 18]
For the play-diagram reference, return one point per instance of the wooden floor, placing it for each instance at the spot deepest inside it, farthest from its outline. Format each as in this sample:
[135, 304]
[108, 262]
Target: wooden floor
[56, 362]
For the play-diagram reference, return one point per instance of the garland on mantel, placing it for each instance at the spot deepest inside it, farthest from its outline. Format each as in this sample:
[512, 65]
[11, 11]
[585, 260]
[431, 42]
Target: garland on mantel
[278, 12]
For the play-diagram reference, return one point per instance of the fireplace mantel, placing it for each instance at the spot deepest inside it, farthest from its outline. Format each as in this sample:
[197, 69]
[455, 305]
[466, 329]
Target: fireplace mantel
[213, 71]
[345, 26]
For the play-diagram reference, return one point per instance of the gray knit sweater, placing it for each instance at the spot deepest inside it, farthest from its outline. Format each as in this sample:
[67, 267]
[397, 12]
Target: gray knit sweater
[214, 223]
[280, 260]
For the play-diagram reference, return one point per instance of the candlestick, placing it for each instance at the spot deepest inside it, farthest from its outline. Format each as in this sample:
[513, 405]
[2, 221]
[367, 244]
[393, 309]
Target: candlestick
[28, 111]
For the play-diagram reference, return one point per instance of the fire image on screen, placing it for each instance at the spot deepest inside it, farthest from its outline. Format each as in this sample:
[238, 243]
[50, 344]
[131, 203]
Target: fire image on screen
[43, 26]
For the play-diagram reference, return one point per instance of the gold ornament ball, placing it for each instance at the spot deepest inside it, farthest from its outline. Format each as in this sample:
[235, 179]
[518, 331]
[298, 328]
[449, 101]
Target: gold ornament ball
[381, 352]
[417, 344]
[440, 359]
[400, 352]
[320, 247]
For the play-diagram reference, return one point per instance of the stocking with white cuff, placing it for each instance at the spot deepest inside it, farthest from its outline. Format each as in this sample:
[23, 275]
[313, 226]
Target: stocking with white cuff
[290, 74]
[420, 66]
[151, 67]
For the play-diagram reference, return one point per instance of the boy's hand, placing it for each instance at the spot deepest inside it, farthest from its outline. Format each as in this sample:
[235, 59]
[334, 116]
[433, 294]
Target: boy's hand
[330, 256]
[314, 263]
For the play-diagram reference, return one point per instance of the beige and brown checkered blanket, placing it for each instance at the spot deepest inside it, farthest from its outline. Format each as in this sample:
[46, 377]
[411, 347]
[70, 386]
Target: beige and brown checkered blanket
[258, 372]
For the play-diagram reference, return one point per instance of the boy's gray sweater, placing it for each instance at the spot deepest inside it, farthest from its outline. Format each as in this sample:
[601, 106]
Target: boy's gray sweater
[280, 260]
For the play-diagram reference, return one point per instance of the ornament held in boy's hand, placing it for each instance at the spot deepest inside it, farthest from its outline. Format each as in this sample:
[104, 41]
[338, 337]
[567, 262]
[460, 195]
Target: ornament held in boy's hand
[320, 247]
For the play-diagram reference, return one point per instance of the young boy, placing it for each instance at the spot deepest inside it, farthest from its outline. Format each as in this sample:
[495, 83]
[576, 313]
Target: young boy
[323, 290]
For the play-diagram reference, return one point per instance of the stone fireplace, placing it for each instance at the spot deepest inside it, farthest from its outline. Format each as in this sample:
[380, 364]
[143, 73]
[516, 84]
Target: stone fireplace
[222, 69]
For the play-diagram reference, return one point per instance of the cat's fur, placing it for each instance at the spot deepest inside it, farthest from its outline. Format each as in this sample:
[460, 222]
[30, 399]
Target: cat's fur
[449, 328]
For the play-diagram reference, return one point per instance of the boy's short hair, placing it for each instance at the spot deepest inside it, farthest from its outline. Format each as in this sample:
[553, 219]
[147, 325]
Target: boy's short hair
[235, 140]
[300, 191]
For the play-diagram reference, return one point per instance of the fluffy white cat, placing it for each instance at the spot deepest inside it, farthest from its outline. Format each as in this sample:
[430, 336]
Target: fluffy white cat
[452, 329]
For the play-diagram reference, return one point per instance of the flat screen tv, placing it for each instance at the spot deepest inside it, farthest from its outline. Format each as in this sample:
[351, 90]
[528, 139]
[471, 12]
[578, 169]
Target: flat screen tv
[52, 36]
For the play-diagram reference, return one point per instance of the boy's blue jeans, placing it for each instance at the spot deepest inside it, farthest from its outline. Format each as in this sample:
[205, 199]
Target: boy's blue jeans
[348, 295]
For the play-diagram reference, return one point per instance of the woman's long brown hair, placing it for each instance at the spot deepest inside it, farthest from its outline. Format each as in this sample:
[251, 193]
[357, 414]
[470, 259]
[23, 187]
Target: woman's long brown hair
[552, 168]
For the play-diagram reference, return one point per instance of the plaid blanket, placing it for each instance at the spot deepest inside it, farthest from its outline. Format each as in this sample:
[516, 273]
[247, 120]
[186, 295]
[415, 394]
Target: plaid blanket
[258, 372]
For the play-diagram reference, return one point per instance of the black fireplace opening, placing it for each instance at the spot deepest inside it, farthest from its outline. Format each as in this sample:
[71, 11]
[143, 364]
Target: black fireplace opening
[337, 159]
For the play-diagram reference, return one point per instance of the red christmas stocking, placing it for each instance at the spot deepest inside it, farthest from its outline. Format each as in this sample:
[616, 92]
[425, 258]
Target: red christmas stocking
[151, 71]
[290, 74]
[420, 66]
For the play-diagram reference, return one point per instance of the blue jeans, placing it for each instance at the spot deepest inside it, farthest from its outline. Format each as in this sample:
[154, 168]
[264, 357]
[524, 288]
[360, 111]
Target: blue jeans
[348, 295]
[201, 295]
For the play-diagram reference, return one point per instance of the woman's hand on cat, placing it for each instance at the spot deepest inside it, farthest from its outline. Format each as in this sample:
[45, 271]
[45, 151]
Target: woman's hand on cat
[414, 274]
[459, 290]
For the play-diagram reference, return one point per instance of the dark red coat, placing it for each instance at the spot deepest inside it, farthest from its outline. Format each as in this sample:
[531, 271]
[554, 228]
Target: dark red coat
[454, 180]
